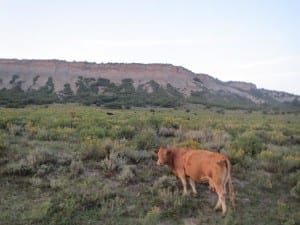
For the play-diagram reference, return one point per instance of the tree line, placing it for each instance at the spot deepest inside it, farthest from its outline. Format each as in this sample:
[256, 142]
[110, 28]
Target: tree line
[92, 91]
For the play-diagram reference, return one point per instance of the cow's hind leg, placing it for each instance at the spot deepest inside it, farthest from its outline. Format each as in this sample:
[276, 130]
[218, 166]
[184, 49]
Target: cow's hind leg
[193, 186]
[218, 205]
[223, 204]
[221, 199]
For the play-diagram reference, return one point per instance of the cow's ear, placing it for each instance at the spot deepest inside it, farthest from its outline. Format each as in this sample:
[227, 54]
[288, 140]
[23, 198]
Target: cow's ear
[156, 151]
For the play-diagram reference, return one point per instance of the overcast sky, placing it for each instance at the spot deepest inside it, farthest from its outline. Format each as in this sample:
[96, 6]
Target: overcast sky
[255, 41]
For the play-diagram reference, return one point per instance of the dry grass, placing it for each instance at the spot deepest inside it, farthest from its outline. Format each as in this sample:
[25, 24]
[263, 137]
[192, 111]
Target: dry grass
[54, 175]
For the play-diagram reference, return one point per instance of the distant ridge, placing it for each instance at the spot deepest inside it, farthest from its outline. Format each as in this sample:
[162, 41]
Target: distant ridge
[194, 87]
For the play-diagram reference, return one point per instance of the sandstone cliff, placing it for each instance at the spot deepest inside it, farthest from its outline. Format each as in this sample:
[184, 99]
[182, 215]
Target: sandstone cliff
[32, 74]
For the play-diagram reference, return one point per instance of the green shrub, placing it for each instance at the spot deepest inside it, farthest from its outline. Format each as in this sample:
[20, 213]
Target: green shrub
[39, 211]
[64, 133]
[67, 203]
[291, 162]
[297, 188]
[230, 217]
[16, 130]
[147, 140]
[191, 144]
[127, 174]
[295, 191]
[42, 135]
[279, 161]
[20, 168]
[165, 182]
[30, 129]
[76, 168]
[60, 209]
[53, 134]
[125, 132]
[195, 135]
[93, 131]
[249, 143]
[236, 155]
[270, 161]
[264, 182]
[3, 122]
[58, 183]
[38, 182]
[114, 162]
[173, 203]
[171, 123]
[93, 148]
[284, 214]
[39, 161]
[169, 132]
[235, 129]
[44, 170]
[276, 137]
[41, 156]
[219, 140]
[137, 156]
[201, 136]
[3, 145]
[293, 178]
[152, 216]
[155, 122]
[111, 210]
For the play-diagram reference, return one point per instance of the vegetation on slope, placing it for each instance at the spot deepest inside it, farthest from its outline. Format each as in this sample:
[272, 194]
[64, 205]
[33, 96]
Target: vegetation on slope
[103, 92]
[89, 165]
[100, 92]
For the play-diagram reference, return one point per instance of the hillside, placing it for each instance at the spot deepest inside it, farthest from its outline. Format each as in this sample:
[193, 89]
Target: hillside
[127, 84]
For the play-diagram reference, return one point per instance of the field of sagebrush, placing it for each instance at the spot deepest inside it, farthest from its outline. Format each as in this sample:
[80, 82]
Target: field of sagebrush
[86, 165]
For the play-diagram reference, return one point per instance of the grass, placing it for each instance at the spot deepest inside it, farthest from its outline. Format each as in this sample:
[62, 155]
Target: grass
[69, 164]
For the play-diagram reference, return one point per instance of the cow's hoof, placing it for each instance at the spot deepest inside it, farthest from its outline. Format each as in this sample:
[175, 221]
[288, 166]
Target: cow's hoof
[217, 208]
[195, 195]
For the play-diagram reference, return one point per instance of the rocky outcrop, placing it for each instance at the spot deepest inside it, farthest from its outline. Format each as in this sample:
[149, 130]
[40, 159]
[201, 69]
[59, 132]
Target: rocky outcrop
[244, 86]
[32, 74]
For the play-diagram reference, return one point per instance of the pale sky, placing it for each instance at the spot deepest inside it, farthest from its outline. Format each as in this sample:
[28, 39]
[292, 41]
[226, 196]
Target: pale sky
[255, 41]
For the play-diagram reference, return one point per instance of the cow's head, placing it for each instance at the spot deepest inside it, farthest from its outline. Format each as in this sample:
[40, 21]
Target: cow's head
[163, 156]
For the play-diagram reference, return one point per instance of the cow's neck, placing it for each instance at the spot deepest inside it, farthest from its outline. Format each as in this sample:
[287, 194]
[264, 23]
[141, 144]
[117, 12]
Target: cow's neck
[170, 162]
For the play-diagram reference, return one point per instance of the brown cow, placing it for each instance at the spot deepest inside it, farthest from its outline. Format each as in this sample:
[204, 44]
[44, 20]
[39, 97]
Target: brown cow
[199, 166]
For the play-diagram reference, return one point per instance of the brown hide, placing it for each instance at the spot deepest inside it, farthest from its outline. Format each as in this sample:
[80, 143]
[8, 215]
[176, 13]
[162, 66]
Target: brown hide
[199, 166]
[204, 166]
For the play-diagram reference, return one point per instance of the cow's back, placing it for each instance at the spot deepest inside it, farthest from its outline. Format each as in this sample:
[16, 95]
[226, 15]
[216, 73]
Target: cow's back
[202, 165]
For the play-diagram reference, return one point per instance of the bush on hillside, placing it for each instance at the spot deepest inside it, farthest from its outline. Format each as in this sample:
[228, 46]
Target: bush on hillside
[93, 148]
[147, 140]
[249, 143]
[3, 145]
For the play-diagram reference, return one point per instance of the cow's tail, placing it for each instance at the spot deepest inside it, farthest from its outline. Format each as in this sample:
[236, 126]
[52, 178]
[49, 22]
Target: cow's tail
[229, 181]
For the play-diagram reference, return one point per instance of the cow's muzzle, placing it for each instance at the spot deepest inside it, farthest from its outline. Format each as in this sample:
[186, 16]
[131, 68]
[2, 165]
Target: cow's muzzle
[159, 163]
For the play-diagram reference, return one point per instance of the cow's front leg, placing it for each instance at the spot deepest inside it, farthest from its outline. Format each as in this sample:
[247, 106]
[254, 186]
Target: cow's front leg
[193, 186]
[183, 181]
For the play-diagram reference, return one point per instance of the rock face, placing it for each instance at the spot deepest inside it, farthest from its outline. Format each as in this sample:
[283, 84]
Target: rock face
[68, 72]
[33, 74]
[244, 86]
